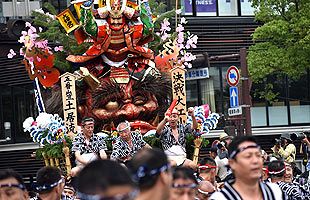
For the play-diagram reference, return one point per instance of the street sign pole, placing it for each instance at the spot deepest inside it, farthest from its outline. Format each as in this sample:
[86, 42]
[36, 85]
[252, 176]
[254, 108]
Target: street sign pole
[246, 100]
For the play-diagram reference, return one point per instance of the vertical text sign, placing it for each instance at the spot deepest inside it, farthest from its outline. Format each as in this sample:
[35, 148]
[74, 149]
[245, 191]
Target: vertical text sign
[179, 91]
[69, 101]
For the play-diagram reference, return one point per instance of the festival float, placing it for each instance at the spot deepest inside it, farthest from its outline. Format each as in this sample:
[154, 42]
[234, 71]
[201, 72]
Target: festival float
[112, 60]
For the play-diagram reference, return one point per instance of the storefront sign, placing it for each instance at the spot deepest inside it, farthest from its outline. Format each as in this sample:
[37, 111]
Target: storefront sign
[202, 6]
[69, 101]
[235, 111]
[193, 74]
[179, 92]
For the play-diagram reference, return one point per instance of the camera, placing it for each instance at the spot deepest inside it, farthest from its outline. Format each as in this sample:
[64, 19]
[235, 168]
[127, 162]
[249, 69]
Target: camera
[298, 136]
[277, 141]
[220, 145]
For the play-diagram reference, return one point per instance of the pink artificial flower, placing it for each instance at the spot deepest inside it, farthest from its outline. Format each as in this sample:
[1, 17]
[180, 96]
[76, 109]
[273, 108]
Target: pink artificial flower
[11, 54]
[164, 36]
[183, 20]
[179, 11]
[59, 48]
[28, 24]
[165, 26]
[180, 28]
[21, 52]
[180, 39]
[191, 42]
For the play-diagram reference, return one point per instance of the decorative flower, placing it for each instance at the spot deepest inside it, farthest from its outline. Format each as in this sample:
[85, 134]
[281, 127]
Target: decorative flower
[11, 54]
[47, 128]
[28, 123]
[184, 41]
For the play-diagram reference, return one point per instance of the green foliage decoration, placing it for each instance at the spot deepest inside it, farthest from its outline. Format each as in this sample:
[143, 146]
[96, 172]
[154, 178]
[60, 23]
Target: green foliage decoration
[54, 150]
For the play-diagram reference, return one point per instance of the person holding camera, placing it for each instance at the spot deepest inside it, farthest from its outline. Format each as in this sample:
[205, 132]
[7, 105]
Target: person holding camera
[285, 148]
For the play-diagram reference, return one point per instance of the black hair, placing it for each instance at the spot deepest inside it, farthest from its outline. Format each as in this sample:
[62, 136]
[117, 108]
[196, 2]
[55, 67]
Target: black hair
[234, 145]
[10, 173]
[99, 175]
[148, 159]
[276, 169]
[207, 160]
[47, 176]
[87, 119]
[184, 173]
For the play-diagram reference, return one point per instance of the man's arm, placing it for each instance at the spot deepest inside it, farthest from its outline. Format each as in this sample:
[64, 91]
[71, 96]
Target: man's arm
[288, 151]
[161, 125]
[79, 158]
[191, 113]
[103, 154]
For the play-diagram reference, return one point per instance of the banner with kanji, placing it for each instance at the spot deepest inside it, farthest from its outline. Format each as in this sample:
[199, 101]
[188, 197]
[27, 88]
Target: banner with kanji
[69, 101]
[179, 91]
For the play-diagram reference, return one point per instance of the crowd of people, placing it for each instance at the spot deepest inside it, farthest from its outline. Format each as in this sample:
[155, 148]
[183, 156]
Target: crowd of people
[235, 168]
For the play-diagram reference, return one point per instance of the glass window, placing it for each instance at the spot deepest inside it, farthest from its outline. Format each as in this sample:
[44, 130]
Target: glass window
[246, 8]
[7, 114]
[299, 92]
[228, 7]
[191, 93]
[258, 109]
[203, 7]
[278, 109]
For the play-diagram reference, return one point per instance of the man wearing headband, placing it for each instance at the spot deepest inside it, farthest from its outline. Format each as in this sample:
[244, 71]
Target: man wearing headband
[50, 183]
[173, 137]
[151, 171]
[246, 163]
[276, 171]
[127, 144]
[12, 186]
[184, 184]
[87, 146]
[207, 170]
[105, 179]
[205, 190]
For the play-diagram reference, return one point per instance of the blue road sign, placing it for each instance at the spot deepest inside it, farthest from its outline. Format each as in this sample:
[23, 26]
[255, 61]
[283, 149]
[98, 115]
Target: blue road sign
[233, 97]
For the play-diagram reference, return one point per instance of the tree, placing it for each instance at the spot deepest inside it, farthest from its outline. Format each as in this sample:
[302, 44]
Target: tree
[282, 43]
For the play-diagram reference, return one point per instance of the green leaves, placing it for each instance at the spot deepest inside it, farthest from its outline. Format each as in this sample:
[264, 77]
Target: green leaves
[282, 44]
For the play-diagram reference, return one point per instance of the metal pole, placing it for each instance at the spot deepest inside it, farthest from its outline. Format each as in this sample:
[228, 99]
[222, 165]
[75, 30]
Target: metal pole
[246, 98]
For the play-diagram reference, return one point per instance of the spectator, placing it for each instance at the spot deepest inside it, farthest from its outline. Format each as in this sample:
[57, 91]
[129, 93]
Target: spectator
[184, 184]
[221, 169]
[205, 190]
[127, 144]
[12, 186]
[286, 149]
[246, 162]
[105, 179]
[277, 175]
[225, 140]
[50, 183]
[151, 170]
[87, 146]
[173, 137]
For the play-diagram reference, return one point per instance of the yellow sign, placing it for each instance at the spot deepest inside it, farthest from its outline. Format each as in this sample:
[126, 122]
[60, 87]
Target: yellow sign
[69, 101]
[179, 91]
[67, 20]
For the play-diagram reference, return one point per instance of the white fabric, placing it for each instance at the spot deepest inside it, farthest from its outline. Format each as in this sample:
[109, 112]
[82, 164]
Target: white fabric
[176, 153]
[88, 157]
[221, 170]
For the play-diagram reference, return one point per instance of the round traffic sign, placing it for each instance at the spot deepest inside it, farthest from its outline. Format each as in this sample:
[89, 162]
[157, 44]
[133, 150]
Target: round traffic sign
[233, 76]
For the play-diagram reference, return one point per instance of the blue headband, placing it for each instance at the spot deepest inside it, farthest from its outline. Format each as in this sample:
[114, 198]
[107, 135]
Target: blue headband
[239, 150]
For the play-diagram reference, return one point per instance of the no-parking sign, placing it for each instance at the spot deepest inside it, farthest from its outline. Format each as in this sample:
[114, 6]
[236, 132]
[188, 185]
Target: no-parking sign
[233, 76]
